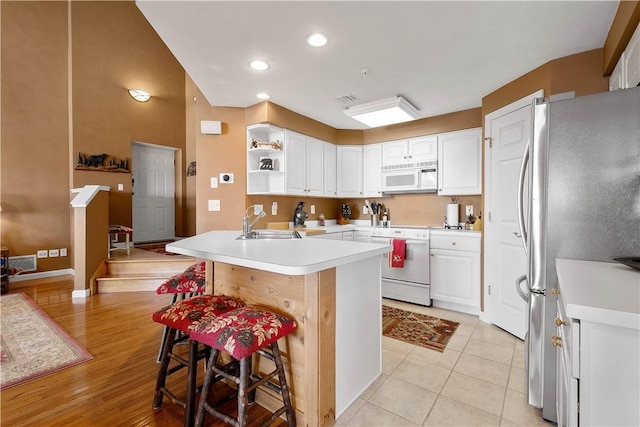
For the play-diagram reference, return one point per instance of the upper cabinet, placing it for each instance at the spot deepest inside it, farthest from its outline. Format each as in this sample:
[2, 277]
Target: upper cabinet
[265, 159]
[304, 167]
[460, 163]
[413, 150]
[349, 170]
[626, 73]
[372, 170]
[330, 170]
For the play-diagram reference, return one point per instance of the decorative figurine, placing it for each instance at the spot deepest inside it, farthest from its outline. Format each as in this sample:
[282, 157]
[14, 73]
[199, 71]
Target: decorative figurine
[299, 216]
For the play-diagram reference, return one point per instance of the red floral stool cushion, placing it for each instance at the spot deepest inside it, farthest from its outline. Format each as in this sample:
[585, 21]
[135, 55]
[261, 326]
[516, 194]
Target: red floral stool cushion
[242, 331]
[191, 280]
[120, 229]
[185, 313]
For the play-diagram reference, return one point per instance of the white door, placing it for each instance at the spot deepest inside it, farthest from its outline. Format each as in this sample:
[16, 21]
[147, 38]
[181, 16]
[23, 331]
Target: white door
[504, 255]
[153, 199]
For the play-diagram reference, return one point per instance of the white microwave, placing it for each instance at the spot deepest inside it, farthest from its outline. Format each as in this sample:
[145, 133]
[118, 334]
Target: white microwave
[415, 178]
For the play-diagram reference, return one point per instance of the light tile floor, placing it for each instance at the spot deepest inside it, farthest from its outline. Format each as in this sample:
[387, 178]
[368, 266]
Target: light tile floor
[479, 380]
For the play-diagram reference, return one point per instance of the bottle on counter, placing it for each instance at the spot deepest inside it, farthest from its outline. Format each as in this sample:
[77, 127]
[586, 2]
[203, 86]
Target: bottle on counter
[385, 219]
[321, 220]
[477, 224]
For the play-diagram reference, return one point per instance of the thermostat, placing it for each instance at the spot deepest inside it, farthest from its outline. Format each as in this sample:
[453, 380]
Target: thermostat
[226, 178]
[210, 127]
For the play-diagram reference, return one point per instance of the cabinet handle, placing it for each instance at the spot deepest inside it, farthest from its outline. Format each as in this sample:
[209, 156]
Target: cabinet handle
[432, 255]
[556, 343]
[518, 235]
[555, 291]
[560, 322]
[453, 243]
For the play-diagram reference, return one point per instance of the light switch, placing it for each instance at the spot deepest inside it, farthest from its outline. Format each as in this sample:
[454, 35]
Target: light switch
[63, 251]
[120, 187]
[274, 208]
[313, 209]
[257, 209]
[214, 182]
[43, 253]
[54, 253]
[214, 205]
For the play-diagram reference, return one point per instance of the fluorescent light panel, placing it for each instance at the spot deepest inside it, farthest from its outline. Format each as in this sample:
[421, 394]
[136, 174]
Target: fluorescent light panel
[383, 112]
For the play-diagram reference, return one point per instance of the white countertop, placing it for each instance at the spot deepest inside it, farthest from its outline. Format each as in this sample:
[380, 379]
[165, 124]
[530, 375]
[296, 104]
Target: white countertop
[293, 257]
[601, 292]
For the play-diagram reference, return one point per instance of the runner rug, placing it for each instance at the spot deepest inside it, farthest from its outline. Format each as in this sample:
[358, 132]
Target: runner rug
[32, 345]
[415, 328]
[157, 247]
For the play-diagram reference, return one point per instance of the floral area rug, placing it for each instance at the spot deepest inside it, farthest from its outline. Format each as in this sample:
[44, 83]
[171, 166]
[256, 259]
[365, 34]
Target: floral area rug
[157, 247]
[415, 328]
[32, 345]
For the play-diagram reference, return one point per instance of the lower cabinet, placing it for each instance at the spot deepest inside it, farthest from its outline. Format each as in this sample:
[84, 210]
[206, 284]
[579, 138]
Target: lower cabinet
[455, 270]
[341, 235]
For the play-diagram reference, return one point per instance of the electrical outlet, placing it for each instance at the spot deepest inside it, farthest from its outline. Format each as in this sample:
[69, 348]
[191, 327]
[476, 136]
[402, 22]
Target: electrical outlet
[120, 187]
[257, 209]
[214, 205]
[53, 253]
[214, 182]
[43, 253]
[63, 251]
[313, 209]
[365, 210]
[274, 208]
[469, 210]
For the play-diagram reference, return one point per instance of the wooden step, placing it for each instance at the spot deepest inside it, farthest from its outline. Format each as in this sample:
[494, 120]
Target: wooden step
[111, 283]
[168, 266]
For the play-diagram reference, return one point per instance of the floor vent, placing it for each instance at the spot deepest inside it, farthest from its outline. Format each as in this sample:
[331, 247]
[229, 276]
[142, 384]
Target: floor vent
[25, 263]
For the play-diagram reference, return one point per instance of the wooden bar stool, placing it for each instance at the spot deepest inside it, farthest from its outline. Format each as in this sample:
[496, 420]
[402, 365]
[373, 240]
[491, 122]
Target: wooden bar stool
[187, 284]
[114, 230]
[241, 333]
[180, 316]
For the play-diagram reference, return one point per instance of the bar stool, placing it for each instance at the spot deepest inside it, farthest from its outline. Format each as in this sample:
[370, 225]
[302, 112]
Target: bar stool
[180, 316]
[241, 333]
[114, 230]
[187, 284]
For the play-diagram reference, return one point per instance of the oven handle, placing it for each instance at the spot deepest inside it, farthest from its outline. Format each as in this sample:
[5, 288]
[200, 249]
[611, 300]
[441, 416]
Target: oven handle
[409, 241]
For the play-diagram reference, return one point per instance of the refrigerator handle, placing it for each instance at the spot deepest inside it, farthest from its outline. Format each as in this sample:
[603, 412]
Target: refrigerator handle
[523, 174]
[519, 290]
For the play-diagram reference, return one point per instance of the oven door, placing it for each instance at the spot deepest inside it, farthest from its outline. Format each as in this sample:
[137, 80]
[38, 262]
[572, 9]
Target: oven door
[416, 262]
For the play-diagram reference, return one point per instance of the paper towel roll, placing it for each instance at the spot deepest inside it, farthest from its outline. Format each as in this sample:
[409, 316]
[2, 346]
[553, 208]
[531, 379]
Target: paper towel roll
[452, 214]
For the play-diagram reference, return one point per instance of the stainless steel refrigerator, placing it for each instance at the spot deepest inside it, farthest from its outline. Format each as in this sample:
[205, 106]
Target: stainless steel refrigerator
[579, 198]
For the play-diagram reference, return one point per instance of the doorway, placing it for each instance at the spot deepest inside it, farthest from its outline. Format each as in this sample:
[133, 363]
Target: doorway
[153, 192]
[509, 130]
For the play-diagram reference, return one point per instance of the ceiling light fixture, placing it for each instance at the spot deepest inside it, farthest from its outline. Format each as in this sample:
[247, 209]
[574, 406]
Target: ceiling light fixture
[317, 40]
[139, 95]
[263, 95]
[259, 65]
[383, 112]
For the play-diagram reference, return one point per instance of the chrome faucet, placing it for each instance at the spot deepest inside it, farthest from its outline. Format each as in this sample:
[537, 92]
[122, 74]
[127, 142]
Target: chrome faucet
[247, 233]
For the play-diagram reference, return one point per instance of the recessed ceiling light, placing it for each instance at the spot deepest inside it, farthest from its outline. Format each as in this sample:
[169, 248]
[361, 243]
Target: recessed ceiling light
[317, 40]
[259, 65]
[263, 95]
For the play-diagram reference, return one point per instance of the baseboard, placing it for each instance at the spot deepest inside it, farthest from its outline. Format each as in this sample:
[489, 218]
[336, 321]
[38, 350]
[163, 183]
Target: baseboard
[83, 293]
[41, 275]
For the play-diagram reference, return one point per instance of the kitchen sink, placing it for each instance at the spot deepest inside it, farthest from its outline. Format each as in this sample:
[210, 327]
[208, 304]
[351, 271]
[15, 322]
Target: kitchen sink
[270, 235]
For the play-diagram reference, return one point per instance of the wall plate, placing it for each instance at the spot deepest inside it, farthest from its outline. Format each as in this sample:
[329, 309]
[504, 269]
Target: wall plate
[226, 178]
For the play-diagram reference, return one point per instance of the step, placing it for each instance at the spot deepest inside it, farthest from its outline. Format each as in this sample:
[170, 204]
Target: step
[112, 283]
[167, 266]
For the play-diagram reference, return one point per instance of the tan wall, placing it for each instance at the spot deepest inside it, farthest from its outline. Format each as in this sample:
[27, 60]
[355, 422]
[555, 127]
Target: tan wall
[35, 139]
[113, 48]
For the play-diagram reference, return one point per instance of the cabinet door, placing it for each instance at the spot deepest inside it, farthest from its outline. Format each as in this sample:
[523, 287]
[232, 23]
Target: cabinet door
[295, 174]
[394, 152]
[423, 149]
[616, 80]
[631, 59]
[455, 278]
[371, 166]
[314, 152]
[329, 166]
[459, 163]
[349, 171]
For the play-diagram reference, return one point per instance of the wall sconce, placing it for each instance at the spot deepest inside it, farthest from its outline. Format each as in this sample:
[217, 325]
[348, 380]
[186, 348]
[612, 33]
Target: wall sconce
[139, 95]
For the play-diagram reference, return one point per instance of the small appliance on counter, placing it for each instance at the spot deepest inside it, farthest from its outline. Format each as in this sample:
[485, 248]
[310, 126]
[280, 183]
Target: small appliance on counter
[299, 216]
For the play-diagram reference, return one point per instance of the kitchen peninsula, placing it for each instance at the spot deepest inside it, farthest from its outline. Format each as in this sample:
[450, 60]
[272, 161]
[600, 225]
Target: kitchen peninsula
[331, 288]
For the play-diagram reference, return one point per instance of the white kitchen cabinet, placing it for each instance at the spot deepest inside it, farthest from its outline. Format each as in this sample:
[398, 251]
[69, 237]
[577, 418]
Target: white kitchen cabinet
[460, 162]
[626, 73]
[340, 235]
[304, 167]
[330, 173]
[265, 159]
[372, 172]
[407, 151]
[455, 270]
[349, 174]
[597, 344]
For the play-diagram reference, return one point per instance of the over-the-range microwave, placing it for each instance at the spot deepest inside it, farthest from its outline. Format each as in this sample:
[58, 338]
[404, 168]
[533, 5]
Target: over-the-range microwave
[413, 178]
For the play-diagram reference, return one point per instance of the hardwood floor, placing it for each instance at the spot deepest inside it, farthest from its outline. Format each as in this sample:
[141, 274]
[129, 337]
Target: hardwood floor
[116, 387]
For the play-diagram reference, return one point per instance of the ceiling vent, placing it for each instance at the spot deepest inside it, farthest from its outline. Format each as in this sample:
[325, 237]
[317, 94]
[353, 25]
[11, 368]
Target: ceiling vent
[345, 99]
